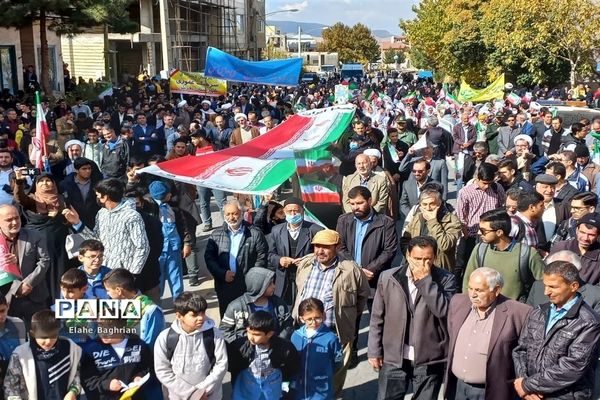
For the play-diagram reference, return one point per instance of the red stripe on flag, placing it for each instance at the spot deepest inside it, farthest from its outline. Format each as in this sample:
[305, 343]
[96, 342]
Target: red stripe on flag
[321, 197]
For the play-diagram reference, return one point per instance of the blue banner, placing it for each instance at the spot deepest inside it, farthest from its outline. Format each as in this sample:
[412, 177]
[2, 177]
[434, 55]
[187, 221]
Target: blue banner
[275, 72]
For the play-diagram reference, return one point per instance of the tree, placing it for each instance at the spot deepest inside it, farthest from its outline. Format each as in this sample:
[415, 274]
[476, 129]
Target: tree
[353, 44]
[558, 31]
[425, 33]
[62, 16]
[388, 57]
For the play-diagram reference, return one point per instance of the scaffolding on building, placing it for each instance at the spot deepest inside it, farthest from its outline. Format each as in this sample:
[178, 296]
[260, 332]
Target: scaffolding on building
[197, 24]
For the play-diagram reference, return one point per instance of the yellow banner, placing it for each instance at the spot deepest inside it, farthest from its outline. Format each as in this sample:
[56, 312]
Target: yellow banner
[197, 83]
[491, 92]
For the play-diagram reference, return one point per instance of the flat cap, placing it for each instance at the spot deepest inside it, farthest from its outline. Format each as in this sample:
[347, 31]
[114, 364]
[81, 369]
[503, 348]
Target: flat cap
[546, 179]
[326, 237]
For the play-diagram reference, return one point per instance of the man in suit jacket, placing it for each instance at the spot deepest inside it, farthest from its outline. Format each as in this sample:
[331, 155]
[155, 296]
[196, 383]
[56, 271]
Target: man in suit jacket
[463, 135]
[244, 132]
[27, 249]
[147, 142]
[287, 244]
[483, 328]
[364, 176]
[231, 251]
[412, 187]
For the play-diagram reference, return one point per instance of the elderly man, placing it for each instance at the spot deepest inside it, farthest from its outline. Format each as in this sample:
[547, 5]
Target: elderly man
[407, 333]
[288, 243]
[340, 285]
[433, 218]
[558, 345]
[26, 249]
[73, 150]
[244, 132]
[523, 155]
[364, 176]
[231, 251]
[483, 329]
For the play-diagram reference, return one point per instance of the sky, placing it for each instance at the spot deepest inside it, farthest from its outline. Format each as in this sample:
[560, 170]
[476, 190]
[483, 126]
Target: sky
[376, 14]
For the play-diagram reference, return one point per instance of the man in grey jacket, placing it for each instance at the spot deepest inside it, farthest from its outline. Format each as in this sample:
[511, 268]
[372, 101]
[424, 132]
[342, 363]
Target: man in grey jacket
[506, 137]
[411, 300]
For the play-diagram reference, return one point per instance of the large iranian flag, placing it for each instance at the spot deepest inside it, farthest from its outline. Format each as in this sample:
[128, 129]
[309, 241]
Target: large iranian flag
[262, 164]
[41, 134]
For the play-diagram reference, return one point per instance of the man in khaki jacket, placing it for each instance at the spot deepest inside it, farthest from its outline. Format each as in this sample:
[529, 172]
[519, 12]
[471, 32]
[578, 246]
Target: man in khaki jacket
[340, 285]
[364, 176]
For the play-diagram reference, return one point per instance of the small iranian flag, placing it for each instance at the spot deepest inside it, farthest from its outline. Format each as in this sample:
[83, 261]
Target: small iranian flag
[409, 97]
[8, 272]
[311, 161]
[318, 192]
[41, 134]
[513, 99]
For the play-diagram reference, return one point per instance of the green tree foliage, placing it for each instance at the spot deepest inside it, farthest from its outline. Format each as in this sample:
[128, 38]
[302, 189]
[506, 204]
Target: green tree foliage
[388, 56]
[546, 41]
[64, 17]
[354, 43]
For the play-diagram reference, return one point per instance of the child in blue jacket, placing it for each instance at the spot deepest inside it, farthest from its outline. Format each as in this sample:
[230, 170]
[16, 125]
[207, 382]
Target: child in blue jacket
[320, 352]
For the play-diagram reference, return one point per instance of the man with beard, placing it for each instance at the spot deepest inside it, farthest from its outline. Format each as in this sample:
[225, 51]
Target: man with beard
[231, 251]
[369, 239]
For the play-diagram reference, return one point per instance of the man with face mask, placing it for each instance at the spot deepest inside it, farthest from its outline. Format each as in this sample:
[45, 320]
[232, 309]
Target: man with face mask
[288, 243]
[231, 251]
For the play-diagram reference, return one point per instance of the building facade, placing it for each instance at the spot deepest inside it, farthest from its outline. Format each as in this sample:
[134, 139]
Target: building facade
[189, 27]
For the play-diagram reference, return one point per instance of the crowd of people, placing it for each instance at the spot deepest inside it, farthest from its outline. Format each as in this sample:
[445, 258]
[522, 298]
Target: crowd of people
[494, 296]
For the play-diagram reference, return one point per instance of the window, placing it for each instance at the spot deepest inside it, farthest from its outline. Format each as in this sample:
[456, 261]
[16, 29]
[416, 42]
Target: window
[240, 23]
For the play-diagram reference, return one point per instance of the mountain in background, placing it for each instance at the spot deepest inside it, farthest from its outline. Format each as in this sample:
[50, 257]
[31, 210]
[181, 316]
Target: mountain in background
[315, 29]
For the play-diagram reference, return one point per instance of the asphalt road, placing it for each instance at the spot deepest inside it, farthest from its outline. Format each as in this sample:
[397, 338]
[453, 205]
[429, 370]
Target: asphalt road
[361, 382]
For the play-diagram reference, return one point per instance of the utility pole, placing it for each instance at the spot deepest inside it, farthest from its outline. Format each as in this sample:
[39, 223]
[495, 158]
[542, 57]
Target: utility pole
[165, 34]
[299, 41]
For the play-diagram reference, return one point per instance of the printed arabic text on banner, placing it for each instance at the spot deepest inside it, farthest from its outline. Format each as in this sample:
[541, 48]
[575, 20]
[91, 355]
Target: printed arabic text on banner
[274, 72]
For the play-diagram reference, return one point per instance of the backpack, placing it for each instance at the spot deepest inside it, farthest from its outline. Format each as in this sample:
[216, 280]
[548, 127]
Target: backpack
[208, 341]
[525, 275]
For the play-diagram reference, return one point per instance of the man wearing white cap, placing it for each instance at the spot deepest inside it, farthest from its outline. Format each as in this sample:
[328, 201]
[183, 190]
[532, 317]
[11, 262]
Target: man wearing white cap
[523, 155]
[73, 149]
[244, 132]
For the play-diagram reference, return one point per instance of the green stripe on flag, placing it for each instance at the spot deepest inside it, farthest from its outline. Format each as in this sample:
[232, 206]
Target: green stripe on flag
[273, 175]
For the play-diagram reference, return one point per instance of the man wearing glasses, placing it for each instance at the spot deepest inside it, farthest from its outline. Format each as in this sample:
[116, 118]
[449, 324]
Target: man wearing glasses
[501, 252]
[506, 137]
[411, 189]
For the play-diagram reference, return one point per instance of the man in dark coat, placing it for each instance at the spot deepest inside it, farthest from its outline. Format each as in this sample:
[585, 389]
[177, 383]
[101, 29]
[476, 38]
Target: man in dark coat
[231, 251]
[78, 190]
[407, 332]
[289, 242]
[558, 346]
[482, 367]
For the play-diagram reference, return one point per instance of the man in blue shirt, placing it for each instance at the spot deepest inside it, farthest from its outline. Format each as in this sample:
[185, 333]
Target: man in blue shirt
[367, 238]
[558, 346]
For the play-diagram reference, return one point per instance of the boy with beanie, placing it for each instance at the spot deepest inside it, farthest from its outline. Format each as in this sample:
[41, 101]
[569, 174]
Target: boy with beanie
[174, 244]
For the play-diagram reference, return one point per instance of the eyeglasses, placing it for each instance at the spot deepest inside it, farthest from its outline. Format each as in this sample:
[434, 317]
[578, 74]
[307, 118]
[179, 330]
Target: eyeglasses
[486, 231]
[317, 320]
